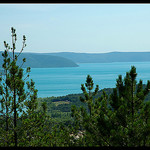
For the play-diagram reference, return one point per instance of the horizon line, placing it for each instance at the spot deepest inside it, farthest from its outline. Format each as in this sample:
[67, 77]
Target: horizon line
[87, 52]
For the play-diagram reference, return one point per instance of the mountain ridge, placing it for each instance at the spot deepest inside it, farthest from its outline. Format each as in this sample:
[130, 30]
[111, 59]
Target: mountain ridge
[105, 57]
[70, 59]
[35, 60]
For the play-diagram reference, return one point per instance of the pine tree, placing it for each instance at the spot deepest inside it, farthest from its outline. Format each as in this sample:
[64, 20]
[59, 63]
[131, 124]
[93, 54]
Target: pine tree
[127, 103]
[5, 100]
[12, 91]
[88, 95]
[122, 119]
[86, 120]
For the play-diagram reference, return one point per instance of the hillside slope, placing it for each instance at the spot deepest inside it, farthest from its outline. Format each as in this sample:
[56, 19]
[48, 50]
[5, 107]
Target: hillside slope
[105, 57]
[35, 60]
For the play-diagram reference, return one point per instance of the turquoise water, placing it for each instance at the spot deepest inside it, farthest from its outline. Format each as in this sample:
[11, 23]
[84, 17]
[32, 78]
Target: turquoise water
[63, 81]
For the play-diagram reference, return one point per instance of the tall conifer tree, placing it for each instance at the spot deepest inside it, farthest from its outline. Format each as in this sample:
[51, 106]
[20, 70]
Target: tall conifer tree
[12, 89]
[122, 119]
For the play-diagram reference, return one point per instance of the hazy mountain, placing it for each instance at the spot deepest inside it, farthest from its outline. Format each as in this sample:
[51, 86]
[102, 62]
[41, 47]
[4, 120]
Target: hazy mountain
[105, 57]
[36, 60]
[69, 59]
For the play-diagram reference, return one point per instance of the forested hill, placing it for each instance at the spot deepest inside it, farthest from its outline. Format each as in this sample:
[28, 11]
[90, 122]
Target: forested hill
[59, 107]
[69, 59]
[105, 57]
[36, 60]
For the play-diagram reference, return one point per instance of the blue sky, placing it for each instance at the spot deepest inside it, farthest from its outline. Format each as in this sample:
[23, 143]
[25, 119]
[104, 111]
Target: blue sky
[87, 28]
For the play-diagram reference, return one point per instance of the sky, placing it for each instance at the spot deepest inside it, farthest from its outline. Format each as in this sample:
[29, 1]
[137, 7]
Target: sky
[83, 28]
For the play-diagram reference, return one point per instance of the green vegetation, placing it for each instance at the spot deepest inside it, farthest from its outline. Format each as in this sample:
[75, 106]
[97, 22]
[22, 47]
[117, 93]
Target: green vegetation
[20, 122]
[122, 119]
[109, 117]
[59, 108]
[62, 113]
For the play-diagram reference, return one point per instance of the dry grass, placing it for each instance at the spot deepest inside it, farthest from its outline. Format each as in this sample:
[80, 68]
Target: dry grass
[61, 102]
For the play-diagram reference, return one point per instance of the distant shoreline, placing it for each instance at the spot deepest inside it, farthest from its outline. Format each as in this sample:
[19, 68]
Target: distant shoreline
[72, 59]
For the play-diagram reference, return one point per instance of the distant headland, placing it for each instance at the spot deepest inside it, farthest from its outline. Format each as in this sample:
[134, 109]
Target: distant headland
[71, 59]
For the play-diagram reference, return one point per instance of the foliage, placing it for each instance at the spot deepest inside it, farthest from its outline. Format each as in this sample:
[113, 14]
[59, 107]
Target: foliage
[119, 120]
[108, 117]
[59, 108]
[20, 122]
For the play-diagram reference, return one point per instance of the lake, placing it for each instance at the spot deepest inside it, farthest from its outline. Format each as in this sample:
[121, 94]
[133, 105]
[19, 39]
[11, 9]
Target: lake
[63, 81]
